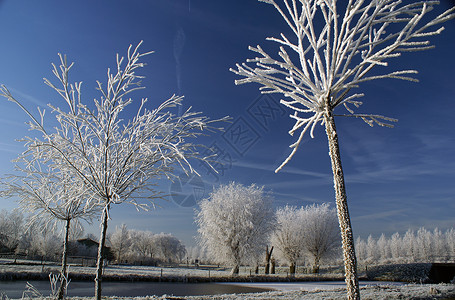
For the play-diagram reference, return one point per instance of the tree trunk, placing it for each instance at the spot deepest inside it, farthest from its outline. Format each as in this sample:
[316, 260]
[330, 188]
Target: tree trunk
[235, 270]
[350, 263]
[316, 265]
[292, 269]
[100, 259]
[268, 256]
[63, 278]
[272, 271]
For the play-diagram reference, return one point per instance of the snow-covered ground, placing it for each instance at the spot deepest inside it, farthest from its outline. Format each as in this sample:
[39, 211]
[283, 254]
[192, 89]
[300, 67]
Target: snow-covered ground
[24, 267]
[309, 286]
[376, 292]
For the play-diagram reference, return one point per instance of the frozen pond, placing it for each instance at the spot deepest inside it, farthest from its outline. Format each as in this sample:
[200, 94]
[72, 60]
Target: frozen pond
[14, 289]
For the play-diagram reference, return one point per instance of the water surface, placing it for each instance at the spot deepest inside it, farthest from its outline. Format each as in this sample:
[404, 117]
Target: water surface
[14, 289]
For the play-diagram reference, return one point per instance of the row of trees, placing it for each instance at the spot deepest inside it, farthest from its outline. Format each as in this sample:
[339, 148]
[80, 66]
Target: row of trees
[237, 223]
[136, 246]
[34, 240]
[414, 246]
[127, 245]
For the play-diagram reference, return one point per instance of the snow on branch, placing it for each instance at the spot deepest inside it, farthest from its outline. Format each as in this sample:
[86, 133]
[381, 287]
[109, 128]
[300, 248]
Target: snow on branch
[333, 51]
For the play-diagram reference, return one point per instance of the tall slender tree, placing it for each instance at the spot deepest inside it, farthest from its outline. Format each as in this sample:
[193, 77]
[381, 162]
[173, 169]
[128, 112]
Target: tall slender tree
[116, 158]
[329, 53]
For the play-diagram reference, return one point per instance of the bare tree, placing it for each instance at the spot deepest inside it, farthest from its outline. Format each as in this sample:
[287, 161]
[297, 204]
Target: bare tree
[234, 223]
[328, 60]
[51, 200]
[115, 158]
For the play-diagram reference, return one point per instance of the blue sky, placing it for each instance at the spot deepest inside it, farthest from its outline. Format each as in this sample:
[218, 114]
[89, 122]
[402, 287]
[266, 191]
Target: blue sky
[396, 178]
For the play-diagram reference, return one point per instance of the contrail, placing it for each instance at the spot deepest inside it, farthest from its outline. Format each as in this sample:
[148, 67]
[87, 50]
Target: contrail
[179, 42]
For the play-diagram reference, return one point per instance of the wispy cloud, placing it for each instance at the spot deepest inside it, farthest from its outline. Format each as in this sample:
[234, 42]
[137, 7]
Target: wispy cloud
[21, 96]
[271, 168]
[379, 215]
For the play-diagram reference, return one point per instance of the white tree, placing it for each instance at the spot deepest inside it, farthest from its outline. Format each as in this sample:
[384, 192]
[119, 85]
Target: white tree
[115, 158]
[46, 244]
[171, 248]
[439, 243]
[383, 247]
[288, 235]
[321, 232]
[143, 244]
[372, 249]
[396, 246]
[361, 250]
[234, 223]
[51, 200]
[120, 242]
[450, 240]
[11, 229]
[328, 60]
[424, 244]
[409, 245]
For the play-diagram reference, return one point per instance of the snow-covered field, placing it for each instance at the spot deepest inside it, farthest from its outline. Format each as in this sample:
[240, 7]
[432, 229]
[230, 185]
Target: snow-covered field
[8, 269]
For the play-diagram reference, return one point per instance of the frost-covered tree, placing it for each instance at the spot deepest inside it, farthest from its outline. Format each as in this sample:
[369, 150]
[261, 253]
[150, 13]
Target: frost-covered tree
[424, 244]
[372, 249]
[383, 247]
[439, 244]
[170, 247]
[329, 52]
[45, 244]
[120, 241]
[395, 246]
[410, 245]
[51, 201]
[143, 244]
[360, 249]
[234, 223]
[421, 246]
[288, 235]
[321, 232]
[116, 158]
[11, 229]
[450, 240]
